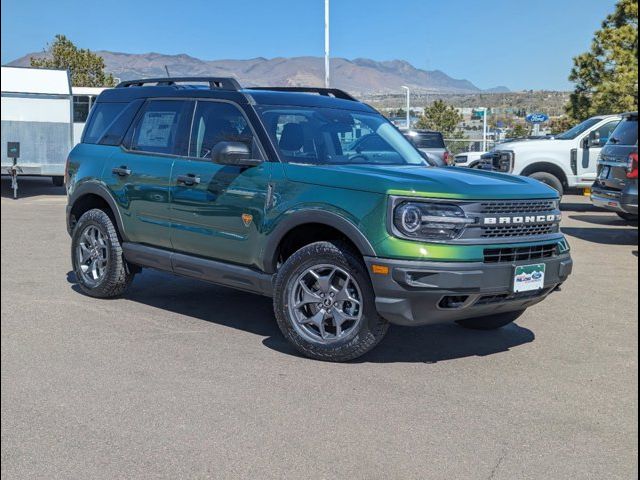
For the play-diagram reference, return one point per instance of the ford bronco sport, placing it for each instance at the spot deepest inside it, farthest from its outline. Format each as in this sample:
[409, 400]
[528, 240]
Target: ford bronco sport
[261, 189]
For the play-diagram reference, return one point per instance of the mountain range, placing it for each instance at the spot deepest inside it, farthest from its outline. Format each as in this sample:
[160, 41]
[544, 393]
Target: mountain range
[359, 76]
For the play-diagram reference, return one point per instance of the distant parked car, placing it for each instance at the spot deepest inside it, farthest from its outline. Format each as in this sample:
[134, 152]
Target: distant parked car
[616, 187]
[431, 144]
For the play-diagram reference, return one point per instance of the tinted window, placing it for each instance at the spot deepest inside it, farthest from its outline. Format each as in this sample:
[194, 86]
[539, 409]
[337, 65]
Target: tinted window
[80, 108]
[216, 122]
[162, 127]
[118, 128]
[626, 133]
[427, 140]
[100, 119]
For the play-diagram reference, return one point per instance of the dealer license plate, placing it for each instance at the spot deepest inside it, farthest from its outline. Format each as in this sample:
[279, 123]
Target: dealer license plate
[528, 278]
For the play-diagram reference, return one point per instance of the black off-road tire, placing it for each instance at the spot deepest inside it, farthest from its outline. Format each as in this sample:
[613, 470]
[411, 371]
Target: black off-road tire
[549, 179]
[118, 275]
[491, 322]
[372, 327]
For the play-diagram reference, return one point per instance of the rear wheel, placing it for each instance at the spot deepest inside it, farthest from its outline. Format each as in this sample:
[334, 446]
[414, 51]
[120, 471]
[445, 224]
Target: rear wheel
[549, 179]
[490, 322]
[324, 303]
[96, 255]
[628, 217]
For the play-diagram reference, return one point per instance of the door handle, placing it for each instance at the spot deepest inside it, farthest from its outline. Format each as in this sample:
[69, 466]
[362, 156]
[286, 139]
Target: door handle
[188, 180]
[123, 171]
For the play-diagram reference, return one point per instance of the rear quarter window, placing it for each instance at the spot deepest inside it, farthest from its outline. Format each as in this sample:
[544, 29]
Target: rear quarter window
[626, 133]
[427, 140]
[100, 119]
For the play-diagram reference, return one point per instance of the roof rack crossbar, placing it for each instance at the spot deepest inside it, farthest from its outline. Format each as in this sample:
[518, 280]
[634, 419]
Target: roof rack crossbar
[225, 83]
[327, 92]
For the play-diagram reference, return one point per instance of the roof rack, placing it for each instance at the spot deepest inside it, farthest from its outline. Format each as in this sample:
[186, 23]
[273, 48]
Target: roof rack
[225, 83]
[327, 92]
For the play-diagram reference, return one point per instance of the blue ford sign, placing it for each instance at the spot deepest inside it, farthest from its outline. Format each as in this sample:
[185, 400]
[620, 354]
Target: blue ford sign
[537, 118]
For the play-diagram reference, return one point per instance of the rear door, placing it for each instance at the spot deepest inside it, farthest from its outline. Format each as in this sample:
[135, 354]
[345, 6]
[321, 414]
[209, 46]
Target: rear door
[139, 174]
[217, 211]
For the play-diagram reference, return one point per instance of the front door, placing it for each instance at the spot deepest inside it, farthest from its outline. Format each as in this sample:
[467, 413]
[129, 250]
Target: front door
[588, 157]
[139, 174]
[217, 210]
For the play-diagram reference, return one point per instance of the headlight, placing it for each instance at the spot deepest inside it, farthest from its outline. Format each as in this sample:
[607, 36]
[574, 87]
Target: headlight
[429, 221]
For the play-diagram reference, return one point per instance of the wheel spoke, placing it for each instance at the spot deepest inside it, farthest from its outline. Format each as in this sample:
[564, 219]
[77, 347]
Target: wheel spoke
[85, 254]
[324, 281]
[308, 296]
[343, 295]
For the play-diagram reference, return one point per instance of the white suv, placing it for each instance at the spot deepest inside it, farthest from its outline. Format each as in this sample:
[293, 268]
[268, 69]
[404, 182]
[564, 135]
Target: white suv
[568, 160]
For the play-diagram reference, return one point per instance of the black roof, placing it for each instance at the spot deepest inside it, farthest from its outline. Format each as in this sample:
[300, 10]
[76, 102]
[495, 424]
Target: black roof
[229, 89]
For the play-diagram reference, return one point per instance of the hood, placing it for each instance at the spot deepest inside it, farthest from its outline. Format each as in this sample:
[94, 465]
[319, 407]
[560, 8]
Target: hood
[542, 143]
[450, 182]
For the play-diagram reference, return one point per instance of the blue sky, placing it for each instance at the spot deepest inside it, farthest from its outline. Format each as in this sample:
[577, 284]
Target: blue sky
[520, 44]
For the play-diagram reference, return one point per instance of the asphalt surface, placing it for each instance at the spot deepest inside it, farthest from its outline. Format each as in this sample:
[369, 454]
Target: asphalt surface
[182, 379]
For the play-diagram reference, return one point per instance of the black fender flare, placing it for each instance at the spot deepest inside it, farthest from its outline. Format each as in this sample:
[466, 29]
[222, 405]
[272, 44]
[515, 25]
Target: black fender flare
[98, 189]
[309, 216]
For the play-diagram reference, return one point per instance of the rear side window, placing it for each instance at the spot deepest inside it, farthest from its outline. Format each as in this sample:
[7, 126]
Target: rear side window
[118, 128]
[102, 115]
[163, 127]
[427, 140]
[626, 133]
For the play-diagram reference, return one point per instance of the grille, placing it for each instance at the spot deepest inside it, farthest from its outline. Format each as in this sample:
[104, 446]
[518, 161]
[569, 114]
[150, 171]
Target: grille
[518, 207]
[505, 297]
[502, 231]
[521, 254]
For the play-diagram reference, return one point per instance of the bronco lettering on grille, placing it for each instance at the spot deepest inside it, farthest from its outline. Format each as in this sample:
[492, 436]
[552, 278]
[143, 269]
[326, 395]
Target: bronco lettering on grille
[523, 220]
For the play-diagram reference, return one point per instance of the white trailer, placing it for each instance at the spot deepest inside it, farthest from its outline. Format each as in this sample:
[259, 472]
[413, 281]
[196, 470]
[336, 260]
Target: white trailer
[83, 100]
[37, 121]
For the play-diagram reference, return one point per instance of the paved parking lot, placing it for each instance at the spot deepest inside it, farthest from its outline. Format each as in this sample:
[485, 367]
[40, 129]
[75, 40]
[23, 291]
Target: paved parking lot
[181, 379]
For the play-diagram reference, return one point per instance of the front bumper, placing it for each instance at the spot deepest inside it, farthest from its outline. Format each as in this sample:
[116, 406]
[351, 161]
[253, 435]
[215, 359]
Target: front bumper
[625, 201]
[421, 293]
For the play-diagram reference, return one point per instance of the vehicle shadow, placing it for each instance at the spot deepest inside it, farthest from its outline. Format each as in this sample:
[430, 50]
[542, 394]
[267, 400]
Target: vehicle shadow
[604, 236]
[609, 220]
[30, 187]
[254, 314]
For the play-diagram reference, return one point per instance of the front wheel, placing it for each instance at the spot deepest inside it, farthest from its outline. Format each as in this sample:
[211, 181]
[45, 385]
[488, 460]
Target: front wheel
[96, 255]
[324, 303]
[491, 322]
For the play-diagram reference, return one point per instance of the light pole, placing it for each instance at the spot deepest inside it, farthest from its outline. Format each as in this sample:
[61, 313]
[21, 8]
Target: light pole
[408, 107]
[326, 44]
[484, 129]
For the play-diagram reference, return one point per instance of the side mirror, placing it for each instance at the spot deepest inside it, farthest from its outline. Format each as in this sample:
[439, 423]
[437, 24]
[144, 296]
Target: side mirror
[233, 153]
[594, 139]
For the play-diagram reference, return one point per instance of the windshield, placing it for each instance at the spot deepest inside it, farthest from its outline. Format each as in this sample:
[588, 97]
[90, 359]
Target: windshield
[328, 136]
[578, 129]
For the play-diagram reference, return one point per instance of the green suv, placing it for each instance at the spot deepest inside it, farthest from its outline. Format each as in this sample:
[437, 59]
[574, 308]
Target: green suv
[308, 196]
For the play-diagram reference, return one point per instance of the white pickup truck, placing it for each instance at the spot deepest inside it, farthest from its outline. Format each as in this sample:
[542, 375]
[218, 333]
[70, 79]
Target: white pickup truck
[568, 160]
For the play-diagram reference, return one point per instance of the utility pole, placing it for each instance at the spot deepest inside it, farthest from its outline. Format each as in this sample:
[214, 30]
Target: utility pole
[484, 129]
[327, 81]
[408, 107]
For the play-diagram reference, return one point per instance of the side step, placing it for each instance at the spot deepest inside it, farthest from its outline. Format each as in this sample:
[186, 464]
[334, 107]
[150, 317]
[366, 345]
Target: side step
[220, 273]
